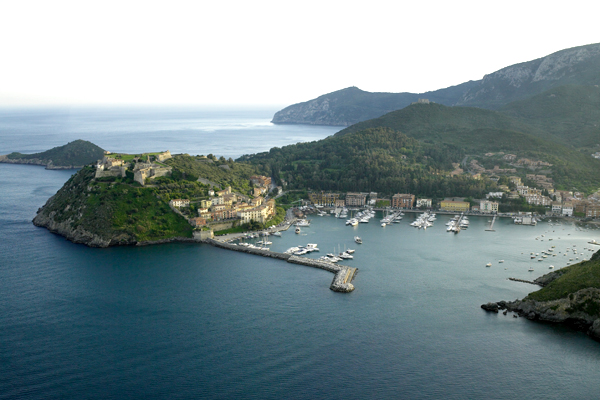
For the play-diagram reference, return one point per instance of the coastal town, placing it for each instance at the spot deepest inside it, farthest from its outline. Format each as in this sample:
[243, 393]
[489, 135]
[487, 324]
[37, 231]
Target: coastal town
[223, 209]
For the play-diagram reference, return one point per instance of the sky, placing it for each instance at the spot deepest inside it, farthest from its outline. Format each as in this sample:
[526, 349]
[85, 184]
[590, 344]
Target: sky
[267, 52]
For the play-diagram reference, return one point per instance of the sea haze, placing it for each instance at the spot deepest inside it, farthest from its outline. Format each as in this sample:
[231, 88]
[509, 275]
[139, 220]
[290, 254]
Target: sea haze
[228, 132]
[191, 321]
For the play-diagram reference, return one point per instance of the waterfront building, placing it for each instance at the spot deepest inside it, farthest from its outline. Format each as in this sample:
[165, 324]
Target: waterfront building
[592, 211]
[424, 203]
[323, 199]
[456, 206]
[355, 199]
[487, 206]
[567, 209]
[260, 214]
[556, 207]
[403, 200]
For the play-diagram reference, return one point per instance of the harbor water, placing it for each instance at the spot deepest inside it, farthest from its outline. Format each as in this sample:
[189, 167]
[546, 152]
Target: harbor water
[193, 321]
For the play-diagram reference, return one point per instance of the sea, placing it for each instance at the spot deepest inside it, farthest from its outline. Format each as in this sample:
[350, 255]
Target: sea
[190, 321]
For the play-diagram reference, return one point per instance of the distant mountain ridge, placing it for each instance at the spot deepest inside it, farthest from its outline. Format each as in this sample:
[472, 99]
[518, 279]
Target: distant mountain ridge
[574, 66]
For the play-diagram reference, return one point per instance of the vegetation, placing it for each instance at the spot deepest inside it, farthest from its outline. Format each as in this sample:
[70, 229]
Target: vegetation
[78, 152]
[115, 210]
[221, 172]
[567, 114]
[478, 131]
[575, 277]
[376, 159]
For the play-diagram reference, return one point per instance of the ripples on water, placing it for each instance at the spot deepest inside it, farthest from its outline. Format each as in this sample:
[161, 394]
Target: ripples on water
[192, 321]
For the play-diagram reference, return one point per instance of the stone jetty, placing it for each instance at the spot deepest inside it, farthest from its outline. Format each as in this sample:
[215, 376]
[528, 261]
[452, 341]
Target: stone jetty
[342, 280]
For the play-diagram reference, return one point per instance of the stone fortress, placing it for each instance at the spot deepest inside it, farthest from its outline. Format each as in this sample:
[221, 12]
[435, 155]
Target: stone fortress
[142, 170]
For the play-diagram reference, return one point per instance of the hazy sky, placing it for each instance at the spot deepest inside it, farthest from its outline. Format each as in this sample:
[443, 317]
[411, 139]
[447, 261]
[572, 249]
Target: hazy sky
[268, 52]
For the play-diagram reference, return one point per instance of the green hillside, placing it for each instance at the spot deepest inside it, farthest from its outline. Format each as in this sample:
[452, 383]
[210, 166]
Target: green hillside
[452, 132]
[570, 114]
[118, 212]
[376, 159]
[573, 278]
[219, 171]
[76, 153]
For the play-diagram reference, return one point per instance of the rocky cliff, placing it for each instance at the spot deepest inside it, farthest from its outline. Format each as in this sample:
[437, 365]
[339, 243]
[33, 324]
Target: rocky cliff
[579, 310]
[36, 161]
[575, 66]
[569, 296]
[351, 105]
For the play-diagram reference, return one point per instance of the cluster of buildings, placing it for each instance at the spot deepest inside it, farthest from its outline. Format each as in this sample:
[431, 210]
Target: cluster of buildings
[562, 202]
[224, 205]
[262, 184]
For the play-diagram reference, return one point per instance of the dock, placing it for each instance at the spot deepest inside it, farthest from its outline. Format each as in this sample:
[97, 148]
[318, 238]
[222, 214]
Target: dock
[491, 228]
[343, 275]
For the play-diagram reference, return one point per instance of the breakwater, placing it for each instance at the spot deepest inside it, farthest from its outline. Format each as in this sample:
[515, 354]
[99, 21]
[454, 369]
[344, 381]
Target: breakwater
[343, 275]
[524, 281]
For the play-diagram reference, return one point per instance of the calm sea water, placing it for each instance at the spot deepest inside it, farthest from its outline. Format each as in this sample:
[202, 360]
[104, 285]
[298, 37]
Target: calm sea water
[190, 321]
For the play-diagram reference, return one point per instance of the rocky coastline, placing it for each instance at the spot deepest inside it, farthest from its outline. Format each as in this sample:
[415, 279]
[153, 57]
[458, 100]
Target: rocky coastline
[579, 310]
[48, 164]
[78, 234]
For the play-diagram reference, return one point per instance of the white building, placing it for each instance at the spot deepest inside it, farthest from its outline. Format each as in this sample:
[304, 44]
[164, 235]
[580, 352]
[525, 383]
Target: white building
[180, 202]
[497, 195]
[487, 206]
[556, 207]
[567, 209]
[424, 203]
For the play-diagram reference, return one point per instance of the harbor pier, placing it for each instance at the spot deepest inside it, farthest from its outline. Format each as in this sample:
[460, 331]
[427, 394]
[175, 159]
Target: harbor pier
[343, 275]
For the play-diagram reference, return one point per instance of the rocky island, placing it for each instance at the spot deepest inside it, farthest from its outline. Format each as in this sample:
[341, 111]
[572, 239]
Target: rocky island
[73, 155]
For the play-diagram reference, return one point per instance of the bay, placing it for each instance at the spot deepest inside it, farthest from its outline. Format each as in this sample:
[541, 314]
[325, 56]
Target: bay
[193, 321]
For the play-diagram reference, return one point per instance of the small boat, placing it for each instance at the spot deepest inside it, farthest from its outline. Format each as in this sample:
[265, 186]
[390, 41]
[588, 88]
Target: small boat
[530, 269]
[500, 261]
[551, 267]
[357, 239]
[298, 229]
[488, 264]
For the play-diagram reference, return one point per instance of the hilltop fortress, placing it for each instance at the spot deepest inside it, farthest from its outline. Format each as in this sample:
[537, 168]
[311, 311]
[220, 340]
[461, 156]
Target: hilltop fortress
[149, 169]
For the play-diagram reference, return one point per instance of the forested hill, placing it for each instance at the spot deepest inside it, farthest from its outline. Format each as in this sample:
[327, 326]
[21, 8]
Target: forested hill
[477, 131]
[377, 154]
[375, 159]
[569, 114]
[76, 154]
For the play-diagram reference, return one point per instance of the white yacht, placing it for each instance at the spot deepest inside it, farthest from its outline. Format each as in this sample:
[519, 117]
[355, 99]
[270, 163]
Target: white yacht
[357, 239]
[298, 230]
